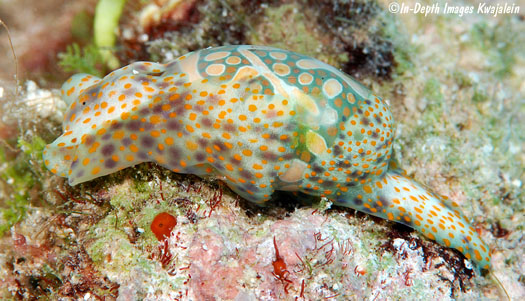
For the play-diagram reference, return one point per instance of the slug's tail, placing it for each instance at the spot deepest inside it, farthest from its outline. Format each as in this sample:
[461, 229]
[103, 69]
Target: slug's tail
[400, 199]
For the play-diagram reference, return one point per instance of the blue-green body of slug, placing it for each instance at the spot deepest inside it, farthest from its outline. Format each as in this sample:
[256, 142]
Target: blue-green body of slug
[263, 119]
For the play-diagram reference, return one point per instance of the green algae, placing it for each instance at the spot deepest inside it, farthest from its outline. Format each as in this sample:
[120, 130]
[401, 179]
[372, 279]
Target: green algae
[105, 25]
[109, 235]
[77, 59]
[82, 27]
[499, 45]
[299, 37]
[22, 173]
[432, 91]
[84, 55]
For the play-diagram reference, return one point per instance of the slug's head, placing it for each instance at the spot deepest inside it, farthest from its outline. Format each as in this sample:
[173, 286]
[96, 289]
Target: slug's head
[102, 113]
[77, 93]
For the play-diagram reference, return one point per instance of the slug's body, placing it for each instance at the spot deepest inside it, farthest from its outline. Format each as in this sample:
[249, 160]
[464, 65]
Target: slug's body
[263, 119]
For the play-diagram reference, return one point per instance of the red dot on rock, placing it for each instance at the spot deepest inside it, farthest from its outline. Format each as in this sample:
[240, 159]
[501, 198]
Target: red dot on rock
[162, 225]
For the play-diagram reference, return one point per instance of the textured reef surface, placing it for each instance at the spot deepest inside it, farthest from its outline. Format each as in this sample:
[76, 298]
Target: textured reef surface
[454, 86]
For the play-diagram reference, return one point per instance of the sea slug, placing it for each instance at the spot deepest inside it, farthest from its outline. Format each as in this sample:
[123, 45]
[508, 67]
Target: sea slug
[260, 118]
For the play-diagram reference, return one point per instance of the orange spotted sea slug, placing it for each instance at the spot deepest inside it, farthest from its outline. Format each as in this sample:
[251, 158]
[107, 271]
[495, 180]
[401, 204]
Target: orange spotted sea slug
[262, 118]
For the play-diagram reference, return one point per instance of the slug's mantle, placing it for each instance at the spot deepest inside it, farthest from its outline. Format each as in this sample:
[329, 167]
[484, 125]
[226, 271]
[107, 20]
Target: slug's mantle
[264, 119]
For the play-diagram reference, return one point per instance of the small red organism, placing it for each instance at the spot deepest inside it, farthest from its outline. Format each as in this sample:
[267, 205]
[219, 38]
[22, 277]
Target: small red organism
[162, 225]
[301, 295]
[279, 269]
[304, 266]
[19, 240]
[165, 255]
[214, 202]
[408, 280]
[359, 270]
[68, 197]
[161, 194]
